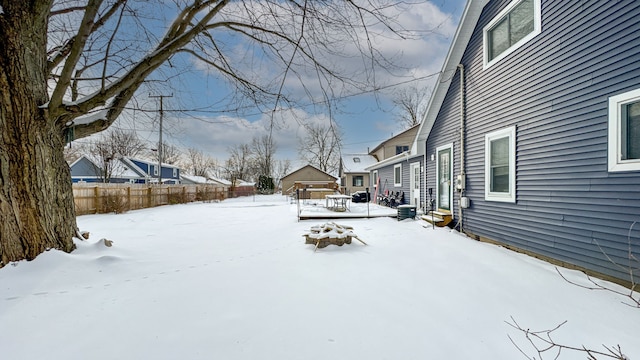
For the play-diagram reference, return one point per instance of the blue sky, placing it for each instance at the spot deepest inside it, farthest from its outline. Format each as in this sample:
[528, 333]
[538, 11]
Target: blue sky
[365, 120]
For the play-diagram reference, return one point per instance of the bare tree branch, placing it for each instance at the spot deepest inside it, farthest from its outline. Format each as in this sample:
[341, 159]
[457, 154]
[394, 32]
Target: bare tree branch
[543, 343]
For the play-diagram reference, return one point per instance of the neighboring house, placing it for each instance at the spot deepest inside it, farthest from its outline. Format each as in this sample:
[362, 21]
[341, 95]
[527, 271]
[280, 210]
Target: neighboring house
[532, 134]
[170, 173]
[400, 174]
[353, 176]
[201, 180]
[307, 177]
[395, 145]
[398, 171]
[85, 170]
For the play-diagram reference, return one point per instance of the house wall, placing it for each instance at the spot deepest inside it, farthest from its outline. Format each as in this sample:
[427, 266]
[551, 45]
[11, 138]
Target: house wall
[305, 174]
[388, 148]
[166, 172]
[555, 91]
[347, 183]
[386, 173]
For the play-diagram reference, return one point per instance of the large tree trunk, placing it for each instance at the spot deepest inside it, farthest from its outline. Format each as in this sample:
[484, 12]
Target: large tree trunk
[36, 199]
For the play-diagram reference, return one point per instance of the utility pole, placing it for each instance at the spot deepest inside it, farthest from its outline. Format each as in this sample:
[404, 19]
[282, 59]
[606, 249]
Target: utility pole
[160, 137]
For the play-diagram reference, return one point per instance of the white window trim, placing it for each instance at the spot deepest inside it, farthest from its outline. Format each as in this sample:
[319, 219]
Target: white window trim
[499, 196]
[374, 178]
[155, 170]
[175, 173]
[437, 160]
[537, 29]
[615, 134]
[397, 184]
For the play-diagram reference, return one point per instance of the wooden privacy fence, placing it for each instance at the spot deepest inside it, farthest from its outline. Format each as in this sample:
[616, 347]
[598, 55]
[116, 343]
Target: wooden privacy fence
[118, 198]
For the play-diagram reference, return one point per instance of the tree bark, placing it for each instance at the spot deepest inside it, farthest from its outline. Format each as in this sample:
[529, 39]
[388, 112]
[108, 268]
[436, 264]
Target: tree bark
[36, 199]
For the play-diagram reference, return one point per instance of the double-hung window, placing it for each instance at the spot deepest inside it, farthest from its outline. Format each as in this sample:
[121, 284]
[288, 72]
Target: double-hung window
[397, 175]
[518, 23]
[500, 177]
[624, 131]
[358, 180]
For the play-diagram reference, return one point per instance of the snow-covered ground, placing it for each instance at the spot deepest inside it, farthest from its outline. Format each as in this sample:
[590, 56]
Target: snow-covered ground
[235, 280]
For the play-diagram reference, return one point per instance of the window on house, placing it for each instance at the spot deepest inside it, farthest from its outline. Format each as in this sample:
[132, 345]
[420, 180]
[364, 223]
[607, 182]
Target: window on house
[401, 149]
[624, 132]
[155, 170]
[500, 178]
[397, 175]
[358, 180]
[356, 160]
[175, 173]
[513, 27]
[375, 178]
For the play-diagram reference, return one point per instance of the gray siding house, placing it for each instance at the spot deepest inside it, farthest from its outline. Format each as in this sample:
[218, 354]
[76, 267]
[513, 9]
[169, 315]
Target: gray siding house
[399, 174]
[397, 170]
[534, 128]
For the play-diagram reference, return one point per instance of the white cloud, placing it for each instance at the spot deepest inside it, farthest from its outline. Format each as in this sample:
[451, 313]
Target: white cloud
[217, 134]
[419, 56]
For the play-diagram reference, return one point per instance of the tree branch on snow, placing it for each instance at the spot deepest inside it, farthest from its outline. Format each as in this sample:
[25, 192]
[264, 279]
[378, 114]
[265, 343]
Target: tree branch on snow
[542, 341]
[544, 344]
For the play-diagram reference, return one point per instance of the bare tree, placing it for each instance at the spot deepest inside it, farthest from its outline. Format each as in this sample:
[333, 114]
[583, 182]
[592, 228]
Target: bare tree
[237, 166]
[321, 147]
[282, 168]
[200, 164]
[73, 153]
[263, 149]
[110, 147]
[123, 143]
[69, 69]
[170, 154]
[412, 104]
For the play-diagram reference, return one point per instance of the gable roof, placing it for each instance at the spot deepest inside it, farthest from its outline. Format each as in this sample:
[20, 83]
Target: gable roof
[118, 168]
[468, 22]
[402, 133]
[357, 163]
[135, 168]
[195, 179]
[309, 166]
[154, 163]
[84, 166]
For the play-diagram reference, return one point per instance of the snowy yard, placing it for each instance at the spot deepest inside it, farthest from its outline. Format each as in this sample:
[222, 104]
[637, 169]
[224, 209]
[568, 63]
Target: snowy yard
[235, 280]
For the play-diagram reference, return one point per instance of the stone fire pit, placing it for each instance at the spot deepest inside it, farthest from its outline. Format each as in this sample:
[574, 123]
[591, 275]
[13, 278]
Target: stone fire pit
[330, 234]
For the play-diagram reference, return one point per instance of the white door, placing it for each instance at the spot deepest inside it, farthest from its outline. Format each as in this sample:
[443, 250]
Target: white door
[415, 184]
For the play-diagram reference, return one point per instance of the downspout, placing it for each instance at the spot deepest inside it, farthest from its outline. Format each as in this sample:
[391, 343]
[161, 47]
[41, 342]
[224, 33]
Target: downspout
[462, 179]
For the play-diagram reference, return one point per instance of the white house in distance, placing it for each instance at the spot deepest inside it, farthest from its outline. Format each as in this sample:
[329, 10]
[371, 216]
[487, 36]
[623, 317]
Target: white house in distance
[353, 174]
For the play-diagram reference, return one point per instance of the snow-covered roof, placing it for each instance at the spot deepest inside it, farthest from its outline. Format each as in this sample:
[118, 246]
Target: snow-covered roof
[240, 182]
[117, 168]
[388, 161]
[133, 166]
[204, 180]
[357, 163]
[123, 170]
[152, 162]
[194, 179]
[221, 181]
